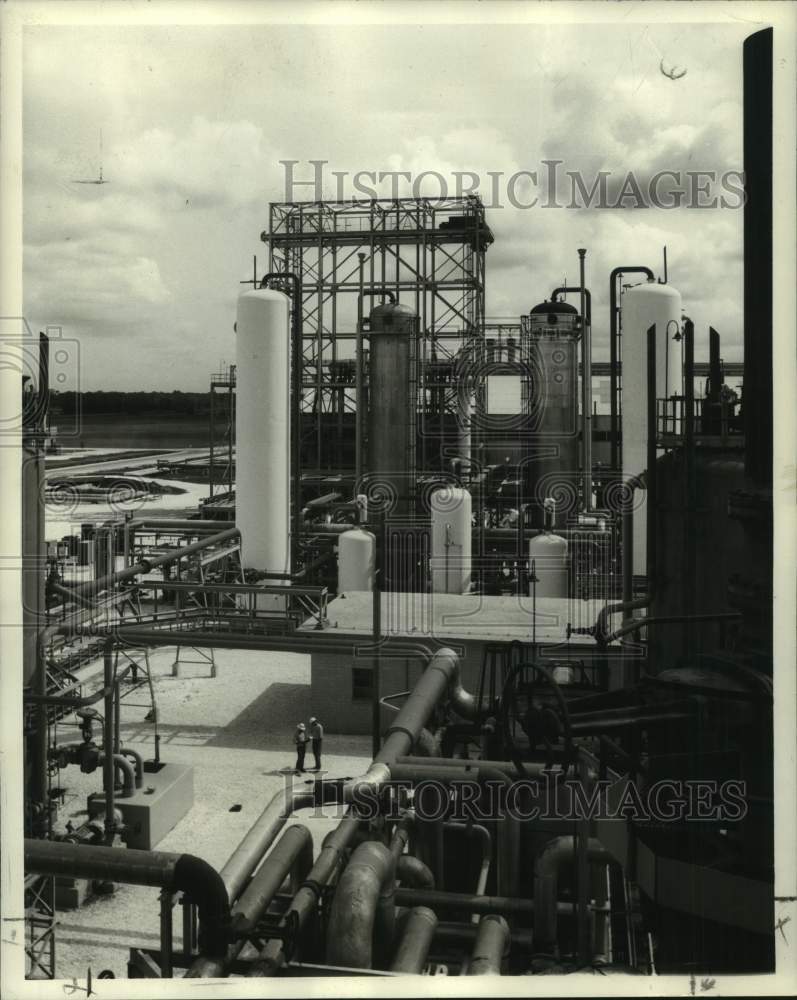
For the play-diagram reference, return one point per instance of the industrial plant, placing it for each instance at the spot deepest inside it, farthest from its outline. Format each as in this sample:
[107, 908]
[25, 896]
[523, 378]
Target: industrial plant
[546, 627]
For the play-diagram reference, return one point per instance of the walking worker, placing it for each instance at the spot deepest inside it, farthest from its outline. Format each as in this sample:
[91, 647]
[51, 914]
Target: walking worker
[300, 739]
[316, 735]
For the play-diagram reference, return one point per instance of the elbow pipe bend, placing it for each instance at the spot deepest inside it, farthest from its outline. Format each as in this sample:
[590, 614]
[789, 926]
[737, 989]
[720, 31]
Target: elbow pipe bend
[367, 876]
[412, 872]
[138, 762]
[419, 930]
[556, 853]
[204, 886]
[185, 873]
[492, 944]
[127, 771]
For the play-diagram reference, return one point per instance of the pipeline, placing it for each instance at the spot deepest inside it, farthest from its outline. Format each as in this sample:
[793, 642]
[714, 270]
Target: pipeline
[276, 953]
[416, 940]
[546, 885]
[293, 853]
[364, 889]
[185, 873]
[492, 943]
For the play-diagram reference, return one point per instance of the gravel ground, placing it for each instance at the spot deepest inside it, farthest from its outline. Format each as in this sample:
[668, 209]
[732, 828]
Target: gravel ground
[236, 731]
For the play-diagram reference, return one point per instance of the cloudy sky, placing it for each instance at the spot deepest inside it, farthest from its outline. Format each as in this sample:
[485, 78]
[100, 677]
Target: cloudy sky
[145, 270]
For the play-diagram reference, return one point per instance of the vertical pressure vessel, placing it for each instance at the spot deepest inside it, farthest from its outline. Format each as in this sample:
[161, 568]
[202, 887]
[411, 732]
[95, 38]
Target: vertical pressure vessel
[551, 565]
[262, 430]
[641, 307]
[392, 417]
[451, 540]
[356, 560]
[554, 459]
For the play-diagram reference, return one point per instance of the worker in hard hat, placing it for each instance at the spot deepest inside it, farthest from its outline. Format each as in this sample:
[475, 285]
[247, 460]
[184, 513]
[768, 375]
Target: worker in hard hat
[316, 735]
[300, 739]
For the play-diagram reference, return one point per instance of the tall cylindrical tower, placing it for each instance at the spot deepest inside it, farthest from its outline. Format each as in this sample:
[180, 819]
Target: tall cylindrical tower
[262, 430]
[392, 381]
[642, 306]
[554, 461]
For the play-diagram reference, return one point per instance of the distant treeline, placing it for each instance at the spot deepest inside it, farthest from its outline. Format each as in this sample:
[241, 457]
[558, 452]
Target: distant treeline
[192, 404]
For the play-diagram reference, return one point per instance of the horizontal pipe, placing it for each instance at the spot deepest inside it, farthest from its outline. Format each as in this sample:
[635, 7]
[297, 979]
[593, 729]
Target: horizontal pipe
[492, 943]
[413, 949]
[185, 873]
[467, 902]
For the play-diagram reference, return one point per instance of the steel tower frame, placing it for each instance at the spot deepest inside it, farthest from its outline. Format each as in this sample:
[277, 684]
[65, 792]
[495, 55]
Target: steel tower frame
[429, 252]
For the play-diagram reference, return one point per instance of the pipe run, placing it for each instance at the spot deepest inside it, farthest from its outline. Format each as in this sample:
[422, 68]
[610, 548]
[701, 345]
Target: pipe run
[185, 873]
[492, 944]
[550, 861]
[292, 854]
[364, 890]
[413, 949]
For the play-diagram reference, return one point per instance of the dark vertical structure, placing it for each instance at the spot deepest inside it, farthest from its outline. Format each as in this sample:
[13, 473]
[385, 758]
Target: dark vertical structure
[751, 586]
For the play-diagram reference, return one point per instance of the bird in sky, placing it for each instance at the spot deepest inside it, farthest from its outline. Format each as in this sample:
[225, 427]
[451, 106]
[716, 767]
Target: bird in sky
[671, 74]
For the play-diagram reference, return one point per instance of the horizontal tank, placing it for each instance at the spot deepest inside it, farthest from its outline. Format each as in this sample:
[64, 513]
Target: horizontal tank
[262, 430]
[356, 560]
[641, 307]
[551, 558]
[451, 540]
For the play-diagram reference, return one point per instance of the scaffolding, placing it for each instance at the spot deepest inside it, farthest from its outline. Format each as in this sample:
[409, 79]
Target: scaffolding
[429, 252]
[222, 429]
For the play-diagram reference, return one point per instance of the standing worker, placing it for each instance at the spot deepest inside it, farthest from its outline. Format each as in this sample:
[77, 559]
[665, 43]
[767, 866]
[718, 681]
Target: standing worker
[316, 735]
[300, 739]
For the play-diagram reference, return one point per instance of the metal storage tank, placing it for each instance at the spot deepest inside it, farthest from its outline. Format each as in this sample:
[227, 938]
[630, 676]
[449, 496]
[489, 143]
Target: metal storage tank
[554, 462]
[551, 565]
[392, 391]
[262, 430]
[451, 540]
[356, 560]
[641, 307]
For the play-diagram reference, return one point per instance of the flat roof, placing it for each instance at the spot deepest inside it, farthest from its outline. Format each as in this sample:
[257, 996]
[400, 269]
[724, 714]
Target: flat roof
[464, 616]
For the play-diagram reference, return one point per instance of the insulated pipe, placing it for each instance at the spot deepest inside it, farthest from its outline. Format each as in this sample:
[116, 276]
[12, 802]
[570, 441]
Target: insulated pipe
[353, 913]
[274, 954]
[416, 941]
[174, 872]
[613, 356]
[492, 943]
[413, 872]
[292, 852]
[247, 855]
[553, 856]
[427, 744]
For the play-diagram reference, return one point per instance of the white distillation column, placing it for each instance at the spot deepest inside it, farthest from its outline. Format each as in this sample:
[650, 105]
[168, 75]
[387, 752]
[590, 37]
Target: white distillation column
[451, 541]
[263, 430]
[641, 307]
